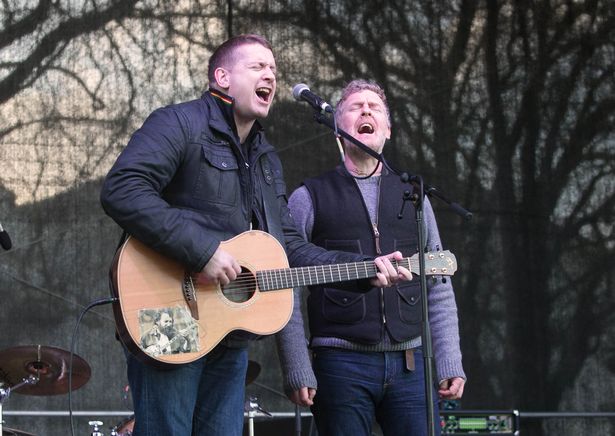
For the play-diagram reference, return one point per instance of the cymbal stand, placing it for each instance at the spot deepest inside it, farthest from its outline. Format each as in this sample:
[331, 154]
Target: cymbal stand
[253, 408]
[6, 393]
[95, 429]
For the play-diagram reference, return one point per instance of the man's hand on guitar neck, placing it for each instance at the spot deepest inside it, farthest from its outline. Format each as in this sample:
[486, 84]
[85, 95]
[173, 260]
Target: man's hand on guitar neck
[221, 269]
[387, 275]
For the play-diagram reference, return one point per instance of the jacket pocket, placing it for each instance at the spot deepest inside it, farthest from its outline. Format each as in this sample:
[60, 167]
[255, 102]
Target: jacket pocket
[218, 181]
[408, 295]
[343, 307]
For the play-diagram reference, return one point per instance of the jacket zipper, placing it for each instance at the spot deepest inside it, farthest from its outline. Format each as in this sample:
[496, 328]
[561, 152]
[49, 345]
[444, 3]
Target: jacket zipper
[378, 249]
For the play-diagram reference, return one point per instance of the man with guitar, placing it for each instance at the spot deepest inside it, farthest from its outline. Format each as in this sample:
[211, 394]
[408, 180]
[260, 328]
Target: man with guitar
[367, 359]
[194, 175]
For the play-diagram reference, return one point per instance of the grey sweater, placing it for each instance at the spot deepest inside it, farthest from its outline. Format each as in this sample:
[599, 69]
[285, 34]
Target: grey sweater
[443, 321]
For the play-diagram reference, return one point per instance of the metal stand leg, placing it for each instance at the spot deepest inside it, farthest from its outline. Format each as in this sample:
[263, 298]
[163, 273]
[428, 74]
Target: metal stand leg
[95, 430]
[6, 393]
[253, 408]
[251, 415]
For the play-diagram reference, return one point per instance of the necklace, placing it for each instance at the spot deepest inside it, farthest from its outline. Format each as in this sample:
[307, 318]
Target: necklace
[360, 173]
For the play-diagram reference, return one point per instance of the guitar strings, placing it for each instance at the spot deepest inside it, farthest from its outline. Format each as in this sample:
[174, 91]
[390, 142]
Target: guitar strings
[237, 286]
[246, 283]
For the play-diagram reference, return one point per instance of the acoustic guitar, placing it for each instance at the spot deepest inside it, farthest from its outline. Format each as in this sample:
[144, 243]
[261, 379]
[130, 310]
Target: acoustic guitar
[259, 301]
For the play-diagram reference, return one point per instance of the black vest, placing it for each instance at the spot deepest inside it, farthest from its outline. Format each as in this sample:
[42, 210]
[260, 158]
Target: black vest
[342, 222]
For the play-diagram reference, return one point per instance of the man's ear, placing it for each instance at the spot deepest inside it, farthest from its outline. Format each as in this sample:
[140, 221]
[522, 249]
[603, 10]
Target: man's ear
[222, 78]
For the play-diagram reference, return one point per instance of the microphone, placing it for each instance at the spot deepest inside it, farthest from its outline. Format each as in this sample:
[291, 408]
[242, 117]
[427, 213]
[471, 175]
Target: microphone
[302, 92]
[5, 240]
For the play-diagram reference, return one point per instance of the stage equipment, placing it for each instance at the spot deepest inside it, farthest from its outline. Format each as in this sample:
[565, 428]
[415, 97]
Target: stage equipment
[252, 407]
[302, 92]
[124, 428]
[254, 369]
[38, 370]
[95, 429]
[5, 239]
[49, 365]
[481, 422]
[14, 432]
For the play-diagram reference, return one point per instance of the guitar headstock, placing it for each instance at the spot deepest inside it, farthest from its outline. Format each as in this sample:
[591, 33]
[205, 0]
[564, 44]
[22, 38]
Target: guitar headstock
[440, 263]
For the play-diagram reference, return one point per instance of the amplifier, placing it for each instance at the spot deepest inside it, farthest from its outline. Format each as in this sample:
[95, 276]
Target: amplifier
[483, 422]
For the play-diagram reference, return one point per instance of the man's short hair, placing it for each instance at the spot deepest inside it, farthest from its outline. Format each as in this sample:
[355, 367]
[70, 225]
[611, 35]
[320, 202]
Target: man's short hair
[359, 85]
[224, 55]
[158, 315]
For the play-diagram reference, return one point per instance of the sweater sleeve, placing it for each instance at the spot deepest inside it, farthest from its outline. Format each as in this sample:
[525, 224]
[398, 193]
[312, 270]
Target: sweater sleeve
[302, 210]
[293, 351]
[443, 319]
[291, 340]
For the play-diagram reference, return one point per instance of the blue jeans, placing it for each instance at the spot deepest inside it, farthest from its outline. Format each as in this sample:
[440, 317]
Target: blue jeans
[354, 387]
[204, 397]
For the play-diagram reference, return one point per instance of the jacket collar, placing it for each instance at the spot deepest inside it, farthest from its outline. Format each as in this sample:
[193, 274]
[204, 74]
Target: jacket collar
[226, 123]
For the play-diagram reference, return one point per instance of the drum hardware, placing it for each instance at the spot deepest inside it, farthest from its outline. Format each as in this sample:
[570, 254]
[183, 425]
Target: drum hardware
[281, 394]
[124, 428]
[14, 432]
[6, 393]
[48, 364]
[41, 371]
[253, 408]
[254, 369]
[95, 430]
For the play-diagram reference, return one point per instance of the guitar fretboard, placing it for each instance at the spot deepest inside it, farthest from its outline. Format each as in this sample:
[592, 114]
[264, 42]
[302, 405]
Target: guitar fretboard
[274, 279]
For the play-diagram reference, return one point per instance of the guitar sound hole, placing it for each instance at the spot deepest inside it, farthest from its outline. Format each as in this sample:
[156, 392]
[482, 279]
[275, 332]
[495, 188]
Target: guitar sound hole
[242, 288]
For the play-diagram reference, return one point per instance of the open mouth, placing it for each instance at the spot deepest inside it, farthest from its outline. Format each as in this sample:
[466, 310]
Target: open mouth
[264, 94]
[366, 128]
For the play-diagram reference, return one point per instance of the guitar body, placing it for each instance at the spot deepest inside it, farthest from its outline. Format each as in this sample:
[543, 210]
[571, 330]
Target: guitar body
[148, 284]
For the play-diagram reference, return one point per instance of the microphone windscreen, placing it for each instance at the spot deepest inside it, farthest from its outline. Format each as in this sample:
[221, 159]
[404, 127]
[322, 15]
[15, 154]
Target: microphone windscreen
[5, 240]
[298, 89]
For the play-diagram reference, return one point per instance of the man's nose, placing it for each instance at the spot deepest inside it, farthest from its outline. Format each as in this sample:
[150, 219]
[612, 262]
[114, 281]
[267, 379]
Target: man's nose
[269, 74]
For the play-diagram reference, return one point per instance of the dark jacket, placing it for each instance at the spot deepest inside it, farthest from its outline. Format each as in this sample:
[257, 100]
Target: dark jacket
[183, 184]
[362, 317]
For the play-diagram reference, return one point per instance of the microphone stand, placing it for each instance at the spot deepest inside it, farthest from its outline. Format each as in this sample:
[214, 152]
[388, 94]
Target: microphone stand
[417, 200]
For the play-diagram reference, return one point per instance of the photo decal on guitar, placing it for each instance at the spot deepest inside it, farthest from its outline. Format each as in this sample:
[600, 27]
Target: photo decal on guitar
[168, 330]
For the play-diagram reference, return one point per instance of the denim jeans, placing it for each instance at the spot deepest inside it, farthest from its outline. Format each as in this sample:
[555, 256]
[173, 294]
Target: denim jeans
[354, 387]
[204, 397]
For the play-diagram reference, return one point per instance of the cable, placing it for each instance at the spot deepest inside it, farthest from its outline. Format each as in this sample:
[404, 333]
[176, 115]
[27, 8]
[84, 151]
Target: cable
[72, 352]
[337, 140]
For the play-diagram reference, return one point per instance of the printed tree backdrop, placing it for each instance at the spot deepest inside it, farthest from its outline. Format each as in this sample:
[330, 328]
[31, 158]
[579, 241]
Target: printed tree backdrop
[507, 106]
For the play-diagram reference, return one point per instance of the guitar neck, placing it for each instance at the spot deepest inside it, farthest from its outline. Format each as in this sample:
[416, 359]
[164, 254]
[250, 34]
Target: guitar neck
[269, 280]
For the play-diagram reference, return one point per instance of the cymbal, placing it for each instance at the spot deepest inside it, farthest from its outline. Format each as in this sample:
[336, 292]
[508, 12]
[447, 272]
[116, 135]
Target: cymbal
[254, 369]
[14, 432]
[50, 364]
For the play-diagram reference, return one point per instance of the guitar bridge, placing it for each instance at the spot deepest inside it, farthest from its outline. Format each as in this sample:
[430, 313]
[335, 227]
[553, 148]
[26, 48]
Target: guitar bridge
[190, 295]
